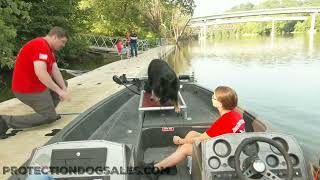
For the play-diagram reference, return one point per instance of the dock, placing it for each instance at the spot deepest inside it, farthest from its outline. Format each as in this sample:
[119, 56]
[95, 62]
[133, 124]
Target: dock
[85, 90]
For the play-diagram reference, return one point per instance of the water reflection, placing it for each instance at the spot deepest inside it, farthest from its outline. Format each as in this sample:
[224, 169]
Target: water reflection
[311, 44]
[278, 78]
[180, 59]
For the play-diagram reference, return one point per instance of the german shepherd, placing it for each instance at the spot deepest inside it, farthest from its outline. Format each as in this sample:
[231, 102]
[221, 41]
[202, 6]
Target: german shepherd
[163, 84]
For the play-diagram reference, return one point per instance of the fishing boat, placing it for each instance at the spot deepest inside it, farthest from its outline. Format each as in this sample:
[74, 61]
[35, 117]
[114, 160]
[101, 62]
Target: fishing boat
[114, 138]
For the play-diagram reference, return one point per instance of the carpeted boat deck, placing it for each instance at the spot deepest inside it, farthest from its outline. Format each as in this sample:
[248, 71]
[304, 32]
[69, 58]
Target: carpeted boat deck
[159, 153]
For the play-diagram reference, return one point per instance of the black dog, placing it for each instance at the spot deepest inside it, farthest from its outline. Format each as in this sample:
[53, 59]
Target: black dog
[163, 83]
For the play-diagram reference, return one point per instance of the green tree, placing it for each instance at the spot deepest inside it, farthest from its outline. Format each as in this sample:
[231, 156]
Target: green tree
[242, 7]
[12, 13]
[168, 18]
[45, 14]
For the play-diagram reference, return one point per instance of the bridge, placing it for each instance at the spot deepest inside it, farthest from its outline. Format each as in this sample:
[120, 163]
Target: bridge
[256, 16]
[100, 43]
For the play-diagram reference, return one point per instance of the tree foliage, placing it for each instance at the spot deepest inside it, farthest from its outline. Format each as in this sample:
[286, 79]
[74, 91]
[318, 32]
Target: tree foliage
[149, 18]
[22, 20]
[45, 14]
[12, 14]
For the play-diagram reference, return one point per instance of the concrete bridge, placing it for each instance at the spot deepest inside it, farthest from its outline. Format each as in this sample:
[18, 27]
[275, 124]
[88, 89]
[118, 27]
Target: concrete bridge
[255, 16]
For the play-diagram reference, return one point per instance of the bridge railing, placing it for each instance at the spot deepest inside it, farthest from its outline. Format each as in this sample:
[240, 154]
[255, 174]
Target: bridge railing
[257, 12]
[109, 43]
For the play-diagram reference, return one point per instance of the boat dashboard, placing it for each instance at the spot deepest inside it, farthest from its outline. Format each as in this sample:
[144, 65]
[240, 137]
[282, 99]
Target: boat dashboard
[232, 156]
[249, 156]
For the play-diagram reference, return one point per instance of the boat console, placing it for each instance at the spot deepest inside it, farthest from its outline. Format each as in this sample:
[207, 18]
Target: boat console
[249, 156]
[85, 160]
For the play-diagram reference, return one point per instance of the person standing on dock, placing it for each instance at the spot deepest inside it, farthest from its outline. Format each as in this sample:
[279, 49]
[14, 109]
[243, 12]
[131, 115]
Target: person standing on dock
[128, 44]
[133, 44]
[37, 82]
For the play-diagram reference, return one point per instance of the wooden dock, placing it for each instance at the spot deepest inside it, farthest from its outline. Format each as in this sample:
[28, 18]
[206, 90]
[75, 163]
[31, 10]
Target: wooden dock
[86, 90]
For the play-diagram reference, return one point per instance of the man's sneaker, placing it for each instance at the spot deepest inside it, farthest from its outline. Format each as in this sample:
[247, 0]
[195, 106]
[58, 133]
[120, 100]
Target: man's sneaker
[3, 128]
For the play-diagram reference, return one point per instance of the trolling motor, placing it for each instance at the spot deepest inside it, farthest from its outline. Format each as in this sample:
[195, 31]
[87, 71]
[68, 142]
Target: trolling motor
[121, 80]
[124, 80]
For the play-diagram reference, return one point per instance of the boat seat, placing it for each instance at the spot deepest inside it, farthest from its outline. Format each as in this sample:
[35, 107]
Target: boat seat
[248, 119]
[196, 166]
[146, 104]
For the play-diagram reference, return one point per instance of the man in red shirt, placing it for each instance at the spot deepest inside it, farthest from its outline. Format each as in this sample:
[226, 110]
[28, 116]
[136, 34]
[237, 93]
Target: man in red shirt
[37, 82]
[225, 100]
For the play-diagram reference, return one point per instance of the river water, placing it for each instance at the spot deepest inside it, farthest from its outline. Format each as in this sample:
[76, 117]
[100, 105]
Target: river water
[276, 78]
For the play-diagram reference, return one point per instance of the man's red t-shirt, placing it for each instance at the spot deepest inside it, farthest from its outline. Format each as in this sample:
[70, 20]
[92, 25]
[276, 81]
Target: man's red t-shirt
[24, 78]
[230, 122]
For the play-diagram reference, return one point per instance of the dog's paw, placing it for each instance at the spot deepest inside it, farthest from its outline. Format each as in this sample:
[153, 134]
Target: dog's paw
[177, 109]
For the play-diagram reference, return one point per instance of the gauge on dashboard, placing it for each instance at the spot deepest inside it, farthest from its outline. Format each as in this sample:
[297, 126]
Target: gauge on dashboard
[272, 160]
[251, 149]
[231, 162]
[282, 143]
[294, 159]
[222, 148]
[214, 162]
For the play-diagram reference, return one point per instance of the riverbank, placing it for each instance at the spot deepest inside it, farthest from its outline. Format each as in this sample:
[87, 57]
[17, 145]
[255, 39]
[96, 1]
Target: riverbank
[86, 90]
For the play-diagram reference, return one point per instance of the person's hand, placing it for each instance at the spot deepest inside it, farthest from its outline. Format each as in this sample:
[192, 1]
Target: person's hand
[177, 140]
[64, 95]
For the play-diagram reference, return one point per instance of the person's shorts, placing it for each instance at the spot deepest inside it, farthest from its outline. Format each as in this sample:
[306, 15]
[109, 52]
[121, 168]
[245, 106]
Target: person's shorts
[124, 51]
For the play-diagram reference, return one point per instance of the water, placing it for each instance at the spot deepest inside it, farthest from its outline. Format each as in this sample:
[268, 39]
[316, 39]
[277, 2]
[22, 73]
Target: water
[277, 79]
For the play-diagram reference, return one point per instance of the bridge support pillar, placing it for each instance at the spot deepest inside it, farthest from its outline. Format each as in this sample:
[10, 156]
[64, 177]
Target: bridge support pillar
[273, 28]
[313, 23]
[203, 32]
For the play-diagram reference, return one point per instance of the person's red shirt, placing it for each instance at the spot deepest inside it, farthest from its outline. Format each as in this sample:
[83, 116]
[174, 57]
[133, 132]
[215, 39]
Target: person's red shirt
[24, 78]
[119, 46]
[230, 122]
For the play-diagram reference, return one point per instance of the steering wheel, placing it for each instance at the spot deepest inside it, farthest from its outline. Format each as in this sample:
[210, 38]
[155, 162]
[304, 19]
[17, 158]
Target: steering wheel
[258, 165]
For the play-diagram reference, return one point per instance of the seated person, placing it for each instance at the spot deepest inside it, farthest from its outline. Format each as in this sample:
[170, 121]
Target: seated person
[225, 100]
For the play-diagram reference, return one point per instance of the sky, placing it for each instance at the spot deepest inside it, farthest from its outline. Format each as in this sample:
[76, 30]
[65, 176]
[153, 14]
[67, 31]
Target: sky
[209, 7]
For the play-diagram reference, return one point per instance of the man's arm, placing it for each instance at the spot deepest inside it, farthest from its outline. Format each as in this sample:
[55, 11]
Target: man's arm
[134, 37]
[40, 68]
[57, 76]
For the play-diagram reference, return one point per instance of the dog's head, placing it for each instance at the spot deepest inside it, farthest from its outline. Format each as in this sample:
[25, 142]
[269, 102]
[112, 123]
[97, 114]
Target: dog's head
[169, 87]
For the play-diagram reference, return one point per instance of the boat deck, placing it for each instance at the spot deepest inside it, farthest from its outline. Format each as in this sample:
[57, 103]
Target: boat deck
[162, 152]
